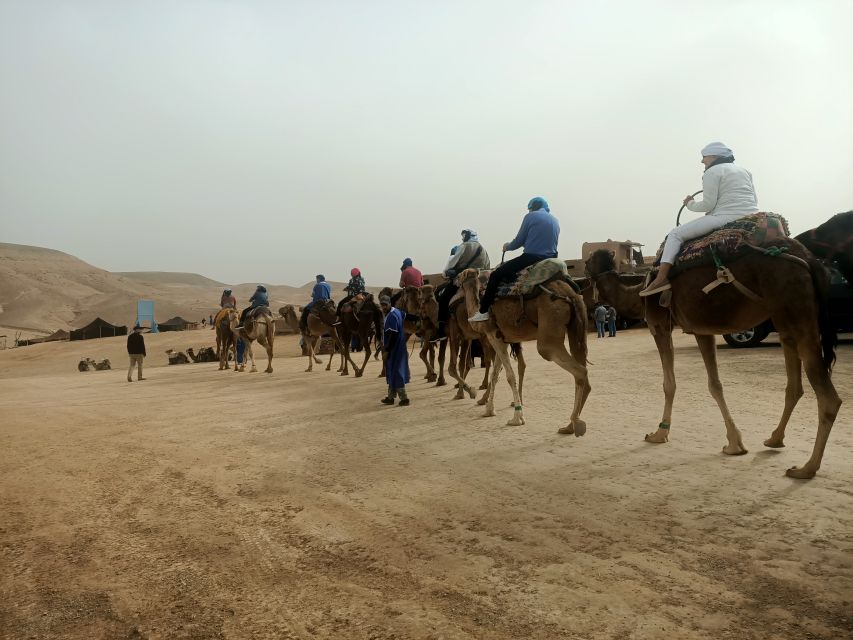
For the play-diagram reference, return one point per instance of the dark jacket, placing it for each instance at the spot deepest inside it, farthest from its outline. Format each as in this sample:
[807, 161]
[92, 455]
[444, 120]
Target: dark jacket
[135, 344]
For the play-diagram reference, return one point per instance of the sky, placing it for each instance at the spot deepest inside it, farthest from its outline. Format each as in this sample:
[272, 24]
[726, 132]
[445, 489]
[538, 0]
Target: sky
[267, 141]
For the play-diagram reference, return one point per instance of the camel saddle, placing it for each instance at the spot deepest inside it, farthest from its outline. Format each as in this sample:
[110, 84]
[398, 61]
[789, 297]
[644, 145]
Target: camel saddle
[529, 281]
[758, 230]
[253, 314]
[326, 311]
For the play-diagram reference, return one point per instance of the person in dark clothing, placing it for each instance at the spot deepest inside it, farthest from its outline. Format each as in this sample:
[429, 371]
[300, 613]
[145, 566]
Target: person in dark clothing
[258, 299]
[136, 351]
[539, 234]
[611, 322]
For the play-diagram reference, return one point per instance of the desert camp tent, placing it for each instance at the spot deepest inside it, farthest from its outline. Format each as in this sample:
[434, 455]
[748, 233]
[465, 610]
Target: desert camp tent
[53, 337]
[176, 324]
[98, 328]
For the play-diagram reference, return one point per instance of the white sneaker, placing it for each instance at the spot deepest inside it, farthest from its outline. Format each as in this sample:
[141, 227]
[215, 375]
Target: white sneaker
[479, 317]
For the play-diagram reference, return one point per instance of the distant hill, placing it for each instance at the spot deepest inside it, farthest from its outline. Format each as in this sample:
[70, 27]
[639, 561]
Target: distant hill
[45, 290]
[171, 278]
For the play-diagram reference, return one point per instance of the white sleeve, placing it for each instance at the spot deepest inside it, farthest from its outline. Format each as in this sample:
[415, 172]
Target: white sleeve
[453, 260]
[710, 191]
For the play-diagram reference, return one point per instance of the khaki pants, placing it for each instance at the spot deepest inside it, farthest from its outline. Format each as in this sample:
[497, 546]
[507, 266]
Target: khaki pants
[135, 359]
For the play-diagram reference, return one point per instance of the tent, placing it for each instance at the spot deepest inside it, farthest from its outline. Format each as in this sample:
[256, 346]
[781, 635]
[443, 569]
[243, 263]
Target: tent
[98, 328]
[177, 324]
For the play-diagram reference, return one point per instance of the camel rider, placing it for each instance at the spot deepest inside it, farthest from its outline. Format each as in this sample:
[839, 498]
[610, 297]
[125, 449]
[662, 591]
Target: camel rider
[227, 300]
[321, 292]
[410, 276]
[727, 194]
[258, 299]
[355, 284]
[468, 255]
[539, 234]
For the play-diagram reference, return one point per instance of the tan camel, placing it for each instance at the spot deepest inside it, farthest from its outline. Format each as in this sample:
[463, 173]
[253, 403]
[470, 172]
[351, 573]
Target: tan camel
[261, 327]
[224, 338]
[317, 328]
[460, 334]
[291, 317]
[791, 291]
[548, 318]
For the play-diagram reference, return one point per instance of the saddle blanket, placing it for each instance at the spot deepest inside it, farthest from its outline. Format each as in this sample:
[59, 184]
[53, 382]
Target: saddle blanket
[730, 241]
[530, 277]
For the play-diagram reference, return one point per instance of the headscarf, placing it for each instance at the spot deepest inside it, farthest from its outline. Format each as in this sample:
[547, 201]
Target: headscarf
[320, 277]
[407, 262]
[716, 149]
[471, 235]
[538, 203]
[262, 288]
[354, 272]
[227, 292]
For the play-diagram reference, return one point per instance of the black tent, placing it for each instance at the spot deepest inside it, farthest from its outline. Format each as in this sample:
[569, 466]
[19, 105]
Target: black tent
[98, 328]
[173, 324]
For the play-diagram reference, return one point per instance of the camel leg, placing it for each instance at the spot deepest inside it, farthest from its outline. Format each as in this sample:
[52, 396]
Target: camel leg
[442, 354]
[365, 343]
[268, 346]
[503, 357]
[489, 356]
[708, 349]
[427, 354]
[663, 340]
[251, 355]
[489, 352]
[793, 390]
[453, 370]
[488, 398]
[555, 351]
[310, 342]
[828, 403]
[522, 366]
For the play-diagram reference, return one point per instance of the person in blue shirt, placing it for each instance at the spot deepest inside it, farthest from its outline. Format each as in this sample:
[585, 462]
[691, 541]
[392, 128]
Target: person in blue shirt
[539, 234]
[258, 299]
[397, 373]
[321, 292]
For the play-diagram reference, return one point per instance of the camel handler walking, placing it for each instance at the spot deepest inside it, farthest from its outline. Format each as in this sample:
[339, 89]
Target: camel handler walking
[539, 234]
[397, 357]
[136, 351]
[468, 255]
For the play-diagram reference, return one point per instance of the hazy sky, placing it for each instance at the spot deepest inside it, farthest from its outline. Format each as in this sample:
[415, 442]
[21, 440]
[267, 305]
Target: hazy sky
[260, 141]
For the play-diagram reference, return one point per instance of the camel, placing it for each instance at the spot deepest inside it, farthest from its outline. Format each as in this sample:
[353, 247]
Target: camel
[364, 320]
[833, 241]
[224, 338]
[790, 290]
[205, 354]
[460, 334]
[260, 327]
[316, 328]
[548, 318]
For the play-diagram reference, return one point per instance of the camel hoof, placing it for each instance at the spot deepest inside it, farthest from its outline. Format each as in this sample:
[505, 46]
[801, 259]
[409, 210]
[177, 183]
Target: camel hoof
[736, 450]
[441, 383]
[774, 444]
[318, 361]
[358, 374]
[567, 430]
[483, 387]
[308, 370]
[516, 421]
[267, 370]
[253, 370]
[657, 437]
[344, 373]
[580, 428]
[483, 401]
[459, 395]
[471, 393]
[800, 473]
[490, 413]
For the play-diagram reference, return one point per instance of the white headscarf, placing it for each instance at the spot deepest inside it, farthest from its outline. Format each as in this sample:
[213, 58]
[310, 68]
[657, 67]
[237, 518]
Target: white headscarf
[717, 149]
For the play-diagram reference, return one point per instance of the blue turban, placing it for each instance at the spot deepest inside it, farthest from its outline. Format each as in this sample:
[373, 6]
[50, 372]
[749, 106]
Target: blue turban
[538, 203]
[407, 262]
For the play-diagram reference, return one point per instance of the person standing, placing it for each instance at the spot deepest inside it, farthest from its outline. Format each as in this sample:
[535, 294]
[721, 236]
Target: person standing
[397, 359]
[539, 234]
[136, 351]
[611, 322]
[600, 317]
[410, 276]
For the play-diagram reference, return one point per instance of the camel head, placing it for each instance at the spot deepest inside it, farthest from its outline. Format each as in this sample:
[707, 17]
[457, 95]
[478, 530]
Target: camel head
[466, 276]
[600, 262]
[410, 300]
[233, 318]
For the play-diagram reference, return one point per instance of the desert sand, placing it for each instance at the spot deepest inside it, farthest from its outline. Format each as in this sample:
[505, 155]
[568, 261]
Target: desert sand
[208, 504]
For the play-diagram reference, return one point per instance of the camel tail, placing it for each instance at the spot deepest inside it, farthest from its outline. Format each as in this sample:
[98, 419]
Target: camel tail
[515, 349]
[577, 330]
[828, 335]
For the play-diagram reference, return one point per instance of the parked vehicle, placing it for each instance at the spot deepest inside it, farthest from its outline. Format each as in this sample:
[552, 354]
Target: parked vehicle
[840, 312]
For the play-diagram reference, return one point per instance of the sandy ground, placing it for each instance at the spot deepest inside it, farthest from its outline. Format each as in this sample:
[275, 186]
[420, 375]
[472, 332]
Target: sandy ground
[207, 504]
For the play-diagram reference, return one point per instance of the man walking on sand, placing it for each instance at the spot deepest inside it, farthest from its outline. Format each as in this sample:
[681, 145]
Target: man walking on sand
[136, 351]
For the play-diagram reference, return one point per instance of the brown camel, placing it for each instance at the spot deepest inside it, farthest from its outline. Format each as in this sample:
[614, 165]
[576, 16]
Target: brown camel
[363, 319]
[319, 325]
[260, 327]
[224, 338]
[291, 317]
[548, 318]
[790, 290]
[460, 335]
[833, 240]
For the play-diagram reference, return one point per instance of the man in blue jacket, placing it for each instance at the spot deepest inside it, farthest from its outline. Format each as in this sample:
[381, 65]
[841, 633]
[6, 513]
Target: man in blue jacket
[397, 357]
[321, 292]
[539, 234]
[258, 299]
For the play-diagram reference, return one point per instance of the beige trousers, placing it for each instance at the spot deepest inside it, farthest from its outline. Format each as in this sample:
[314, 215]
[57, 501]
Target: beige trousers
[135, 359]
